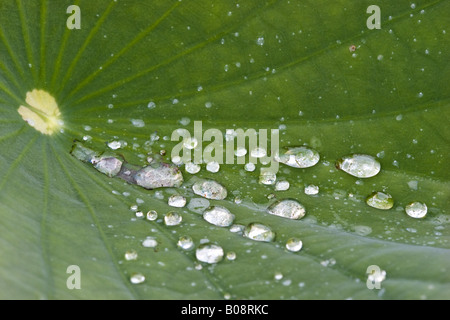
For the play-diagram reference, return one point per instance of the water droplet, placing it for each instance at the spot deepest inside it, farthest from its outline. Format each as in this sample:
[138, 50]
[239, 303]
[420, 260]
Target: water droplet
[151, 105]
[237, 228]
[267, 177]
[231, 256]
[288, 208]
[107, 164]
[294, 245]
[259, 232]
[209, 253]
[413, 184]
[416, 210]
[190, 143]
[219, 216]
[380, 57]
[149, 243]
[159, 175]
[114, 145]
[362, 230]
[139, 214]
[177, 201]
[210, 189]
[399, 117]
[260, 41]
[420, 95]
[138, 123]
[250, 167]
[359, 165]
[192, 168]
[185, 243]
[152, 215]
[278, 276]
[240, 152]
[299, 157]
[172, 219]
[413, 5]
[137, 278]
[198, 205]
[380, 200]
[213, 166]
[282, 185]
[131, 255]
[258, 152]
[311, 190]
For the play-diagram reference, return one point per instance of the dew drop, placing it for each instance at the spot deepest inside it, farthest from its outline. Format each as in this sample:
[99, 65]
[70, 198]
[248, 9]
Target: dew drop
[294, 245]
[107, 164]
[282, 185]
[190, 143]
[185, 243]
[209, 253]
[177, 201]
[159, 175]
[192, 168]
[299, 157]
[290, 209]
[219, 216]
[137, 278]
[198, 205]
[131, 255]
[237, 228]
[210, 189]
[278, 276]
[172, 219]
[250, 167]
[311, 190]
[258, 152]
[139, 215]
[114, 145]
[138, 123]
[240, 152]
[260, 41]
[380, 200]
[359, 165]
[416, 210]
[259, 232]
[231, 256]
[267, 177]
[213, 166]
[149, 243]
[151, 105]
[152, 215]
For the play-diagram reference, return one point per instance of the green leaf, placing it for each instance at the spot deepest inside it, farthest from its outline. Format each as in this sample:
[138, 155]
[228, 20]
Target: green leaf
[256, 64]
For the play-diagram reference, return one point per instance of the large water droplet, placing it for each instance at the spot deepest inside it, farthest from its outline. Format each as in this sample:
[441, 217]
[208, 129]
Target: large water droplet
[416, 210]
[380, 200]
[359, 165]
[294, 244]
[288, 208]
[259, 232]
[172, 219]
[137, 278]
[177, 201]
[209, 253]
[298, 157]
[210, 189]
[219, 216]
[185, 243]
[159, 175]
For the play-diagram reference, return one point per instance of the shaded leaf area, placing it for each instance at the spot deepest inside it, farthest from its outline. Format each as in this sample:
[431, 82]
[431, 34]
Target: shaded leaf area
[259, 64]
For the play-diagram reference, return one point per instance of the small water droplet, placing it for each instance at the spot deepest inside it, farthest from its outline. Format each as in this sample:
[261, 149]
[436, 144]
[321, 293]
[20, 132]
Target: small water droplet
[416, 210]
[267, 177]
[294, 245]
[259, 232]
[152, 215]
[282, 185]
[288, 208]
[151, 105]
[138, 123]
[172, 219]
[213, 166]
[149, 243]
[240, 152]
[185, 243]
[299, 157]
[139, 215]
[137, 278]
[131, 255]
[380, 57]
[359, 165]
[114, 145]
[260, 41]
[250, 167]
[192, 168]
[311, 190]
[231, 256]
[278, 276]
[380, 200]
[237, 228]
[258, 152]
[210, 189]
[177, 201]
[219, 216]
[198, 205]
[190, 143]
[209, 253]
